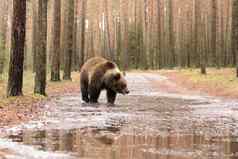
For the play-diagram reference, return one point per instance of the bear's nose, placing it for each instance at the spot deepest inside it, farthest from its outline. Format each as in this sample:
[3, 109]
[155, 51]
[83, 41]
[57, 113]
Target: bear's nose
[127, 91]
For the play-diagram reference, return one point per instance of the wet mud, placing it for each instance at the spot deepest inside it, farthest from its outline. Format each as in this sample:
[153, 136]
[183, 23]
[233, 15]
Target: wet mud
[147, 124]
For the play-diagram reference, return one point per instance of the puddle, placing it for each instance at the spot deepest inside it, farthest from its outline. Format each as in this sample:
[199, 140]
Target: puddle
[103, 144]
[140, 126]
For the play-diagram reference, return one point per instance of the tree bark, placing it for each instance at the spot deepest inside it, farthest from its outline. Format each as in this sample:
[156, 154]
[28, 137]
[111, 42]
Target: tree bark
[196, 32]
[75, 54]
[125, 23]
[82, 32]
[235, 32]
[40, 63]
[107, 32]
[68, 39]
[203, 45]
[3, 30]
[55, 61]
[158, 55]
[214, 31]
[34, 33]
[15, 75]
[171, 33]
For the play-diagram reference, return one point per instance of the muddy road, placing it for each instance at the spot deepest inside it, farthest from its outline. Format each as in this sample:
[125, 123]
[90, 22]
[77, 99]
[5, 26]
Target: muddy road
[150, 123]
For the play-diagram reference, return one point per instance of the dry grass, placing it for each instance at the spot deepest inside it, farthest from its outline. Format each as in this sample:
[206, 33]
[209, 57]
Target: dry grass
[18, 109]
[218, 82]
[217, 78]
[52, 87]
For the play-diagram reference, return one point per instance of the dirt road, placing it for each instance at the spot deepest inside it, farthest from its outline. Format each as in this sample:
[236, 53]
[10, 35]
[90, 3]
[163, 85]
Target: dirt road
[150, 123]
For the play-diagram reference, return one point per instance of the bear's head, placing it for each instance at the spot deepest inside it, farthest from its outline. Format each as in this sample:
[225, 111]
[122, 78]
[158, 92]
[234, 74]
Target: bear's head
[119, 84]
[115, 81]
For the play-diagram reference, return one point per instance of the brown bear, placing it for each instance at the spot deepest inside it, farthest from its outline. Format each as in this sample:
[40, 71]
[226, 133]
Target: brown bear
[98, 74]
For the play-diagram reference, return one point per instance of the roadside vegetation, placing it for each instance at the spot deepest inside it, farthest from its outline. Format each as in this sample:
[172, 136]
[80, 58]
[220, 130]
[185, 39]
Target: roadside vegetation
[23, 108]
[217, 82]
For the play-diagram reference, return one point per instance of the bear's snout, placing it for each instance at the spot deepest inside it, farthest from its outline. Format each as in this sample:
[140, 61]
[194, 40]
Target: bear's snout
[126, 91]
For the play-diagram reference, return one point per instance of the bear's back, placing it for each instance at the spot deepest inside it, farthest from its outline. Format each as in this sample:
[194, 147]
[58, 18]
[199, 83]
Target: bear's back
[93, 63]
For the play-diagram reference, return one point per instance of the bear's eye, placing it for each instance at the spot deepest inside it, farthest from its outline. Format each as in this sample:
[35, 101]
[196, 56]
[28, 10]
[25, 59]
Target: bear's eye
[123, 86]
[117, 76]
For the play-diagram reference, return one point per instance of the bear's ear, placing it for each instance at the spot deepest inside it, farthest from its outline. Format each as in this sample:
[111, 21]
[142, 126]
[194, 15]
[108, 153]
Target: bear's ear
[124, 73]
[117, 76]
[109, 65]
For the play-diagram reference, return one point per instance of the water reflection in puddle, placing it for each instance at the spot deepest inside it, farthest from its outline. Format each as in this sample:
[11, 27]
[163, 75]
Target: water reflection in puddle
[110, 144]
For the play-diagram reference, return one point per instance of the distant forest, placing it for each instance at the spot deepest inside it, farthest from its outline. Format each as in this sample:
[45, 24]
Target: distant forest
[137, 34]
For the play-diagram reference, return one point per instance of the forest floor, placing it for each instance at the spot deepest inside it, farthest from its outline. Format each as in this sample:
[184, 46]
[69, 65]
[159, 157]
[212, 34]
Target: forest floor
[19, 109]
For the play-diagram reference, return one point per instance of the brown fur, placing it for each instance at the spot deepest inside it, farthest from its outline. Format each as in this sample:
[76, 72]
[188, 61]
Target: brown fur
[98, 74]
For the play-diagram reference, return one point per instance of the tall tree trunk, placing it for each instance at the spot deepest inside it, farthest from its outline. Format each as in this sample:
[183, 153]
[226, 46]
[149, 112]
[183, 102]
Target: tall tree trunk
[34, 33]
[75, 54]
[15, 76]
[203, 46]
[196, 31]
[235, 32]
[3, 30]
[107, 31]
[119, 42]
[221, 57]
[158, 55]
[82, 32]
[68, 38]
[199, 38]
[189, 38]
[171, 33]
[55, 61]
[125, 57]
[145, 53]
[214, 31]
[202, 42]
[40, 63]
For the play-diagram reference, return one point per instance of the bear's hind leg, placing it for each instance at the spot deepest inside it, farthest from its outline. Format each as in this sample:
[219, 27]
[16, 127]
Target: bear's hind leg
[85, 94]
[94, 95]
[84, 87]
[111, 96]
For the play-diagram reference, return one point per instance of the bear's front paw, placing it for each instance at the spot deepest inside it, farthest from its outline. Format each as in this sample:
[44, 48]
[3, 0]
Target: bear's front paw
[84, 101]
[110, 104]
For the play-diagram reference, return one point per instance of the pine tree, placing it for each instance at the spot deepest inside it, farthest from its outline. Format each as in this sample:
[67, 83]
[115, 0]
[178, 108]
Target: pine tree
[15, 75]
[40, 63]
